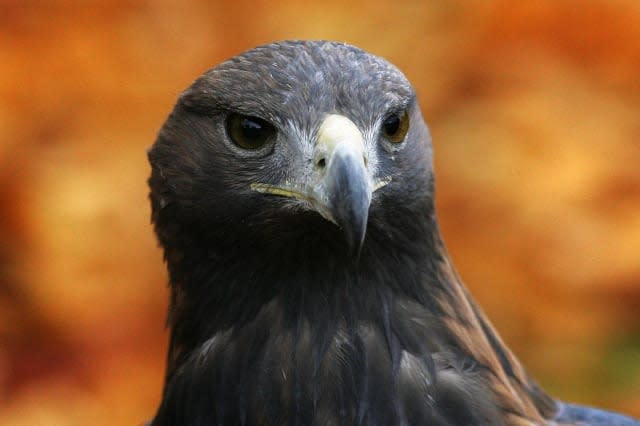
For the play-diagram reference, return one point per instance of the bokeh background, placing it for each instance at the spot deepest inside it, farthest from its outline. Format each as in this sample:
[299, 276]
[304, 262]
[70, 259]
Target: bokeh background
[535, 113]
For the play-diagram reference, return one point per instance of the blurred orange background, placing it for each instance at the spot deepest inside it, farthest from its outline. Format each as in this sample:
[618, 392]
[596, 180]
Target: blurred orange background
[535, 113]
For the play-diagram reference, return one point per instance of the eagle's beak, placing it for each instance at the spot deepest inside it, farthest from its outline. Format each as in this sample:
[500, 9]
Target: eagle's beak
[342, 193]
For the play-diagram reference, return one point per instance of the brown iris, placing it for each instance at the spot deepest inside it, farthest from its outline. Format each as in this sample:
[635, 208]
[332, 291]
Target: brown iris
[249, 132]
[395, 126]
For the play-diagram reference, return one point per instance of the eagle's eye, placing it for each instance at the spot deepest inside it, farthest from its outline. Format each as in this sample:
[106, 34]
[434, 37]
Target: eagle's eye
[249, 132]
[395, 126]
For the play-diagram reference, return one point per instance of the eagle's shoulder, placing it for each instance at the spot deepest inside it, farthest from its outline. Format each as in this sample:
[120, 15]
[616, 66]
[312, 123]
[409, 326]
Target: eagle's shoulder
[587, 416]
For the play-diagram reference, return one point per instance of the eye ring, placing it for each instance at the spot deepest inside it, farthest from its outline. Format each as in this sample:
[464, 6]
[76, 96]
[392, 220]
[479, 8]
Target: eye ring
[395, 127]
[249, 132]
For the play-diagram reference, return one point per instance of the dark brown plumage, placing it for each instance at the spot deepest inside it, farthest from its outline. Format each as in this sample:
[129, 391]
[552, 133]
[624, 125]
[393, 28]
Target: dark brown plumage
[292, 192]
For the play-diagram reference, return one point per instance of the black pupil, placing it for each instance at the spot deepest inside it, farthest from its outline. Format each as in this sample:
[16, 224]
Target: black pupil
[391, 124]
[252, 130]
[249, 132]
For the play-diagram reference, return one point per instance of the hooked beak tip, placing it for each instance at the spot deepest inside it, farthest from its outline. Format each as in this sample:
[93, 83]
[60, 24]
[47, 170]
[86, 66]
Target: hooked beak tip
[348, 191]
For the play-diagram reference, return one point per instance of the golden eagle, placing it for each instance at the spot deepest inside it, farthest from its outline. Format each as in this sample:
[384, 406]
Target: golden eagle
[292, 190]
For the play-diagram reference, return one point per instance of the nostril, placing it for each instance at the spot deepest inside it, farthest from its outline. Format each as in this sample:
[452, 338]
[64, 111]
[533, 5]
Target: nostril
[321, 163]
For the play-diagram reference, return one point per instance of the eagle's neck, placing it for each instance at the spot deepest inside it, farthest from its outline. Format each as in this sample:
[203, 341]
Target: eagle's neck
[316, 317]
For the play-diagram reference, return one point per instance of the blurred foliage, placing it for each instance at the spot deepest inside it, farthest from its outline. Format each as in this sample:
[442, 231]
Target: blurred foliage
[534, 109]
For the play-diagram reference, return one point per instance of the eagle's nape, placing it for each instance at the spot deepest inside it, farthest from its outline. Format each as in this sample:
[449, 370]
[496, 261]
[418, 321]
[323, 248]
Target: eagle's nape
[275, 318]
